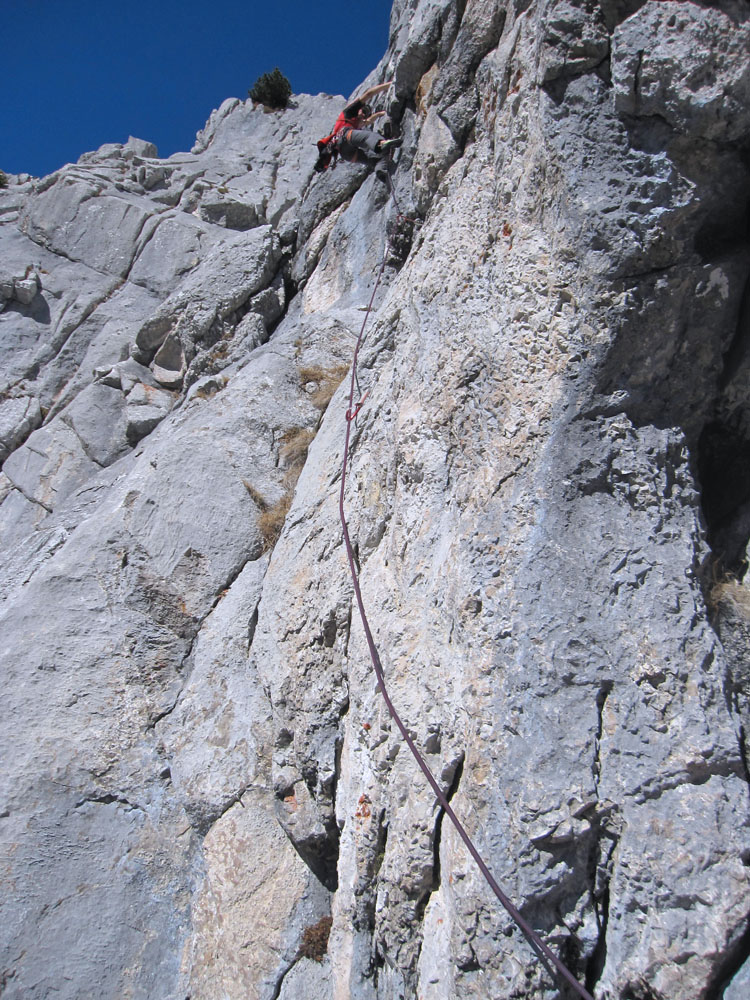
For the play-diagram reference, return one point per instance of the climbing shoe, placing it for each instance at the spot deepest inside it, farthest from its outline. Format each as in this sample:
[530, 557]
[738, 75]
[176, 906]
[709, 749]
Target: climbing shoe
[388, 144]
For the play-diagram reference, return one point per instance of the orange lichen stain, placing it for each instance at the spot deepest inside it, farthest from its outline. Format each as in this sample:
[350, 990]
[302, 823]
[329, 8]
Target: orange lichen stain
[366, 726]
[507, 231]
[363, 808]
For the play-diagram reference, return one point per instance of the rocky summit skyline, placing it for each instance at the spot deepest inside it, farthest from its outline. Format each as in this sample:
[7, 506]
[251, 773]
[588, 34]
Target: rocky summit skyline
[202, 792]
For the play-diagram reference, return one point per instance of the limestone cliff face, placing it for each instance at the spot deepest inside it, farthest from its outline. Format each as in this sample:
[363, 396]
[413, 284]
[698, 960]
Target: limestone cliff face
[549, 498]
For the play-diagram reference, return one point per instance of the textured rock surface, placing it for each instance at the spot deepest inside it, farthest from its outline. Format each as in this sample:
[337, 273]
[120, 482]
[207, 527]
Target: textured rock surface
[549, 498]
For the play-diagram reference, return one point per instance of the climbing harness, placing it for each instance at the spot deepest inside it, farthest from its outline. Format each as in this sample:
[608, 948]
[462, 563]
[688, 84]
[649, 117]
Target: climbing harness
[335, 145]
[331, 147]
[545, 954]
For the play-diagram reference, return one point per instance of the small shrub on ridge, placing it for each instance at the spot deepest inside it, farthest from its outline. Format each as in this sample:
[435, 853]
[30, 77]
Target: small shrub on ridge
[272, 90]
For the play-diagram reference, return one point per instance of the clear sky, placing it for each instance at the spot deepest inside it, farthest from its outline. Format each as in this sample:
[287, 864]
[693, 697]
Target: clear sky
[78, 73]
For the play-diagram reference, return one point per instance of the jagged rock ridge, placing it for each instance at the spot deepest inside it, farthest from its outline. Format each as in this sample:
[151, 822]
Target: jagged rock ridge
[549, 499]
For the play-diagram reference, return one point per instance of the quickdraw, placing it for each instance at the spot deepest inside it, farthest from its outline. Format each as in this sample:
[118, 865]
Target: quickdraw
[351, 414]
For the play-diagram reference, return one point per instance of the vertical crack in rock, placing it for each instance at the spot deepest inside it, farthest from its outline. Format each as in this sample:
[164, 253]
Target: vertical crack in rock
[724, 473]
[422, 903]
[319, 851]
[743, 742]
[280, 981]
[332, 826]
[347, 630]
[373, 865]
[740, 345]
[603, 847]
[600, 859]
[329, 629]
[601, 699]
[730, 610]
[252, 625]
[319, 846]
[137, 248]
[452, 789]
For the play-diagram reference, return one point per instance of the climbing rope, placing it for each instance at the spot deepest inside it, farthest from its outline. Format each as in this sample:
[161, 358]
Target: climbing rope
[545, 954]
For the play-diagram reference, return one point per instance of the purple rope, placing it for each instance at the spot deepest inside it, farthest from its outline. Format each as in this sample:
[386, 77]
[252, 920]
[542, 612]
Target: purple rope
[544, 953]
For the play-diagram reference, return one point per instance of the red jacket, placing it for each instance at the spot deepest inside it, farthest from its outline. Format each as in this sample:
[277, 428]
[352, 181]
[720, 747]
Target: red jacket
[348, 117]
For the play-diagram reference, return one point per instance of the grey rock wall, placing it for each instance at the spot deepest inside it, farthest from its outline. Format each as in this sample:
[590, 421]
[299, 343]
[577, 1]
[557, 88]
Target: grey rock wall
[548, 499]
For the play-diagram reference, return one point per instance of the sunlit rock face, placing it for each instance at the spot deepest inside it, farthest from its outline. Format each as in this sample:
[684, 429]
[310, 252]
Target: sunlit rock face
[202, 793]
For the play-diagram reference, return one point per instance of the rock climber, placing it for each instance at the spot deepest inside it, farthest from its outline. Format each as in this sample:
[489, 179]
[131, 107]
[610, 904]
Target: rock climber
[350, 139]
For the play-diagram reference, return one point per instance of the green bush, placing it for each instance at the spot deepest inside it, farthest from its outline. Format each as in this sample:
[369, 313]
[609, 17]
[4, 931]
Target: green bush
[271, 89]
[3, 180]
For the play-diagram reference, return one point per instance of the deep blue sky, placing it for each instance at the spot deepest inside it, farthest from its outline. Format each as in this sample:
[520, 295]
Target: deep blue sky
[78, 73]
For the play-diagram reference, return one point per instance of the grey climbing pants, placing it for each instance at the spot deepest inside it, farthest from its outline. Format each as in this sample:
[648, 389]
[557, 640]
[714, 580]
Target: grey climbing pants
[359, 140]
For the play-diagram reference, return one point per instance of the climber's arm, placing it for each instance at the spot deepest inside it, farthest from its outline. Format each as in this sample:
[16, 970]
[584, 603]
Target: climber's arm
[372, 91]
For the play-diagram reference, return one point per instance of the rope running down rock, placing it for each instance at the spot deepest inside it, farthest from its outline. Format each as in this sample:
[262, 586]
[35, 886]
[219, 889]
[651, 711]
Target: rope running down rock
[545, 954]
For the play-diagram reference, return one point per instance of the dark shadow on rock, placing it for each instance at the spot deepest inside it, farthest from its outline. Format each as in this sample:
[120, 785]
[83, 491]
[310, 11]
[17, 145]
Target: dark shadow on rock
[38, 310]
[724, 474]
